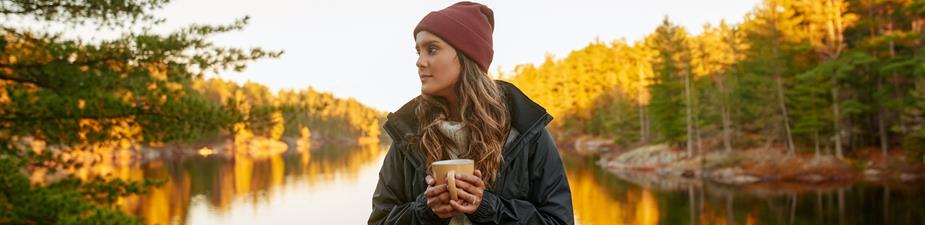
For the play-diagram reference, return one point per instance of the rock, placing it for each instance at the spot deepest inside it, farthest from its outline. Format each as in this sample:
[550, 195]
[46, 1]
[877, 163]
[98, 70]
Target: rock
[908, 177]
[871, 172]
[648, 155]
[593, 146]
[733, 175]
[813, 178]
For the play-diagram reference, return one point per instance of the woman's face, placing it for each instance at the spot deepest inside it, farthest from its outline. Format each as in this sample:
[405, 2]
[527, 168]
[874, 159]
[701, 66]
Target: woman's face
[438, 65]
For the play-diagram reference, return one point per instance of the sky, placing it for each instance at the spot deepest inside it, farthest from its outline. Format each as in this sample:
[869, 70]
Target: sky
[365, 49]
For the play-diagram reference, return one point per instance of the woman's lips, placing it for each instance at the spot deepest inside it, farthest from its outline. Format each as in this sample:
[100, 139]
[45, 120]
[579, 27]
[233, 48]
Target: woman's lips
[425, 77]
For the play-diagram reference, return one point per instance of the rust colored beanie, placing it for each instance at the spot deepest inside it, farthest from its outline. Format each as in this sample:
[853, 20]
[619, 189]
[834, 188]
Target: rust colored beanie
[467, 26]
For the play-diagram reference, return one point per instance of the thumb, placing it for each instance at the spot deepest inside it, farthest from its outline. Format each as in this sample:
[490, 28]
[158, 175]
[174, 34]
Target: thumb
[429, 180]
[478, 173]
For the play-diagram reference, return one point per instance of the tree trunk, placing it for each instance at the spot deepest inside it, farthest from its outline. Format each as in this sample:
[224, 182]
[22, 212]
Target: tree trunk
[724, 113]
[816, 142]
[781, 100]
[783, 110]
[836, 113]
[881, 125]
[727, 130]
[643, 124]
[881, 114]
[690, 116]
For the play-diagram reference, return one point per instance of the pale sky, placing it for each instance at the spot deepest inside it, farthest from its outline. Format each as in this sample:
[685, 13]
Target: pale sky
[365, 50]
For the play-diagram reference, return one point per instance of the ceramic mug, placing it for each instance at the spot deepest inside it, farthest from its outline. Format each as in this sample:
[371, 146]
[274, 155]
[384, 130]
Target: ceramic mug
[444, 172]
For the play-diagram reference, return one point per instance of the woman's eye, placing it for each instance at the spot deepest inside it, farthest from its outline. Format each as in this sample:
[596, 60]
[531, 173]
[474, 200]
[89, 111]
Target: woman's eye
[432, 50]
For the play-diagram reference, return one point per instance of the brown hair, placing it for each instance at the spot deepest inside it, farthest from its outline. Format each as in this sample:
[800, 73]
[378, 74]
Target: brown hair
[484, 115]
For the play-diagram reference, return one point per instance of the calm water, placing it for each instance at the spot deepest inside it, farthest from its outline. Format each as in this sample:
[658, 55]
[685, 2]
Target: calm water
[333, 185]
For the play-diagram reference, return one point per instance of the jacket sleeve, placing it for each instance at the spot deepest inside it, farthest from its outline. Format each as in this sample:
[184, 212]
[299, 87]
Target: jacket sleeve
[549, 199]
[391, 205]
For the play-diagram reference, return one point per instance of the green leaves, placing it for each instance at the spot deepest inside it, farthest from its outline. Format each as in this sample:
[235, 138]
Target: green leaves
[102, 12]
[134, 89]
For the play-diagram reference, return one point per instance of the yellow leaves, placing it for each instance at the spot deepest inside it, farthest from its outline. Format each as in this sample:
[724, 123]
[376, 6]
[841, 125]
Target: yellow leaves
[127, 97]
[174, 86]
[571, 87]
[86, 126]
[241, 136]
[158, 71]
[305, 140]
[81, 103]
[825, 24]
[279, 125]
[4, 96]
[118, 133]
[6, 71]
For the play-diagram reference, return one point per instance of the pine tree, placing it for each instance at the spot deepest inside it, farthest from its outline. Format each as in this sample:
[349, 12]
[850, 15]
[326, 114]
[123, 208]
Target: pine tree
[671, 66]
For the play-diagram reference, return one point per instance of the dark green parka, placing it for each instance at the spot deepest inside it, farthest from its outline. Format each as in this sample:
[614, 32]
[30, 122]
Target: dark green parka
[531, 187]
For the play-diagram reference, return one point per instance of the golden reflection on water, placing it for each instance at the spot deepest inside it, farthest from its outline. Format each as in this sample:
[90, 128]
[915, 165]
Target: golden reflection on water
[595, 205]
[237, 180]
[334, 184]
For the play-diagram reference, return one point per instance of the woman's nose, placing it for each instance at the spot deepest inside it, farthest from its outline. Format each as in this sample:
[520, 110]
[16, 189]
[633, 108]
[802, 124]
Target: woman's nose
[421, 63]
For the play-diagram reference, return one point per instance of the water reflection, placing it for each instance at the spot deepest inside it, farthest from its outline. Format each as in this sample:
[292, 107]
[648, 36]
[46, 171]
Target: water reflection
[597, 203]
[334, 185]
[601, 197]
[242, 189]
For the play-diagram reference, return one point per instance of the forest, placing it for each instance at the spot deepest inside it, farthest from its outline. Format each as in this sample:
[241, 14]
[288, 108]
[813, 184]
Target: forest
[828, 77]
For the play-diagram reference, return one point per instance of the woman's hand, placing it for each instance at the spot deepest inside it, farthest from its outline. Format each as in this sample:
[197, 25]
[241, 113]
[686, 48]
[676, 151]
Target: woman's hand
[438, 198]
[469, 189]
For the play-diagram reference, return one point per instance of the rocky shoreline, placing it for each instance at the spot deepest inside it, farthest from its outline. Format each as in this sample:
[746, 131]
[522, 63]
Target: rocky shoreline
[660, 165]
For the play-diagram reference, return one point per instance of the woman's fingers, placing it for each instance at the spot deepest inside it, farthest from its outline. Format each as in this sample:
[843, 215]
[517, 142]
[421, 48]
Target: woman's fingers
[441, 198]
[435, 190]
[463, 207]
[437, 198]
[468, 197]
[443, 209]
[469, 188]
[440, 207]
[470, 183]
[471, 179]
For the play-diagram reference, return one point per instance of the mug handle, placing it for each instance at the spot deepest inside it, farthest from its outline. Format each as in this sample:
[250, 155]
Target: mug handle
[451, 184]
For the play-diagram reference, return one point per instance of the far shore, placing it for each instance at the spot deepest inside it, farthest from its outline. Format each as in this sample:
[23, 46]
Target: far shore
[767, 168]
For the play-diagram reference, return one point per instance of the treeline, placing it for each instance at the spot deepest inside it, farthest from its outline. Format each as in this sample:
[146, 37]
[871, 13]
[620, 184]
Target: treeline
[290, 112]
[824, 76]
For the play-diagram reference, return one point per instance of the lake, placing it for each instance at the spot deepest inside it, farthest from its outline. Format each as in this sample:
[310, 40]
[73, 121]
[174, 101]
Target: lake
[334, 184]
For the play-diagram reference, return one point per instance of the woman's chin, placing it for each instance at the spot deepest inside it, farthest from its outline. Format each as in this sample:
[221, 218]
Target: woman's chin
[434, 90]
[427, 90]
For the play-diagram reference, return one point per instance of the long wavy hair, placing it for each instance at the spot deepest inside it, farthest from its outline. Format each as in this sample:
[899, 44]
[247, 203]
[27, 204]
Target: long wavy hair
[484, 115]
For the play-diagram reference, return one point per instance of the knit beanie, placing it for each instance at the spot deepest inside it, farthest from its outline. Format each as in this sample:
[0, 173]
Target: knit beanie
[467, 26]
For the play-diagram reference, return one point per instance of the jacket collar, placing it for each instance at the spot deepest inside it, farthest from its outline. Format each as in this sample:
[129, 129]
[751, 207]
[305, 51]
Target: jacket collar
[526, 116]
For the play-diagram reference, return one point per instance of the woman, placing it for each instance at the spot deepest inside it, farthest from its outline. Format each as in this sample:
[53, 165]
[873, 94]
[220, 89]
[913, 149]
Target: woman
[462, 113]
